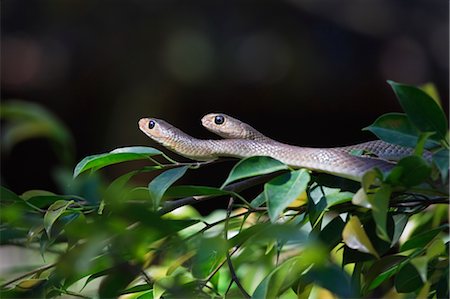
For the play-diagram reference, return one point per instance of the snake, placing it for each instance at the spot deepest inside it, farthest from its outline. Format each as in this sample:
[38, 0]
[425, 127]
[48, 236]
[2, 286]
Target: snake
[335, 161]
[231, 128]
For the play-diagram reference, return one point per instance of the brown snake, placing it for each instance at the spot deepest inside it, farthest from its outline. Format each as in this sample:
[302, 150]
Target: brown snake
[337, 161]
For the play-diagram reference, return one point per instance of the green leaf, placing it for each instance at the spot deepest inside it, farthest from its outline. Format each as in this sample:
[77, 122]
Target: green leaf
[331, 234]
[136, 289]
[381, 270]
[147, 295]
[333, 279]
[211, 251]
[7, 196]
[421, 240]
[436, 248]
[431, 90]
[361, 199]
[53, 212]
[396, 128]
[258, 200]
[338, 198]
[254, 166]
[380, 206]
[400, 221]
[95, 162]
[440, 158]
[410, 171]
[282, 277]
[158, 186]
[283, 190]
[421, 109]
[27, 120]
[408, 279]
[421, 265]
[355, 237]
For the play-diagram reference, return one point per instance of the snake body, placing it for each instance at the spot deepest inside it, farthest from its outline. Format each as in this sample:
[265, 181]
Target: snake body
[232, 128]
[329, 160]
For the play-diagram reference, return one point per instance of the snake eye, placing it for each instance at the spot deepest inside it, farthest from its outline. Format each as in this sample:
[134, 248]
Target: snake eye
[219, 119]
[151, 124]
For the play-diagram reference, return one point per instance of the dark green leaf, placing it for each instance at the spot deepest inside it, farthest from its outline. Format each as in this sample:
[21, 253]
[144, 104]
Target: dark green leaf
[334, 279]
[408, 279]
[254, 166]
[119, 155]
[410, 171]
[158, 186]
[53, 212]
[331, 234]
[381, 270]
[421, 109]
[380, 206]
[422, 239]
[396, 128]
[283, 190]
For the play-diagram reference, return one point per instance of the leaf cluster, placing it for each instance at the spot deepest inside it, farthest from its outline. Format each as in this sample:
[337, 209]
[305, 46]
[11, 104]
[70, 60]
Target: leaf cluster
[302, 236]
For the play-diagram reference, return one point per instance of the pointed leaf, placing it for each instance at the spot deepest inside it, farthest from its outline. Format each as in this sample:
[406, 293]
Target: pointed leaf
[254, 166]
[158, 186]
[355, 237]
[380, 206]
[396, 128]
[53, 212]
[421, 109]
[422, 239]
[118, 155]
[361, 199]
[408, 279]
[282, 277]
[283, 190]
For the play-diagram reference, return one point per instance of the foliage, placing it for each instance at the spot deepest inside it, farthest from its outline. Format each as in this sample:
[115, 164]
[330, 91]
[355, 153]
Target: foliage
[298, 238]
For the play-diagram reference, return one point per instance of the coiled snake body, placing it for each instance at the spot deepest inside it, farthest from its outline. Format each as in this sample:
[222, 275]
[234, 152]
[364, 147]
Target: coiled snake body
[337, 161]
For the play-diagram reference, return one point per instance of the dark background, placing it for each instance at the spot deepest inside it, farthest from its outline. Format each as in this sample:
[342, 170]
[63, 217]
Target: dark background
[309, 72]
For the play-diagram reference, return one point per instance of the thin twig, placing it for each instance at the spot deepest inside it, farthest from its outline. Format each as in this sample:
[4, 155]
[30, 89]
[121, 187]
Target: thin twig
[169, 206]
[40, 269]
[230, 264]
[211, 275]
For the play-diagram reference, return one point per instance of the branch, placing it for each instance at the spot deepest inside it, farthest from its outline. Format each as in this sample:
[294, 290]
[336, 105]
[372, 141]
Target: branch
[40, 269]
[230, 264]
[169, 206]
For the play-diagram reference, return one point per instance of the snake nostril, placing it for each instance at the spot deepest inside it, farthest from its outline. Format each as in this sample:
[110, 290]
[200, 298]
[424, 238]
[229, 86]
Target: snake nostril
[151, 124]
[219, 119]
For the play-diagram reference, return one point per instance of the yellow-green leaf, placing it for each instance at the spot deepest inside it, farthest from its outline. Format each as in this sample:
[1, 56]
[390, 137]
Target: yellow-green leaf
[355, 237]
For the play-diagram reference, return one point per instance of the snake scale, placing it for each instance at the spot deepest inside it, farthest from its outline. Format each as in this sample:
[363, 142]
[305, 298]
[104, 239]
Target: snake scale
[337, 161]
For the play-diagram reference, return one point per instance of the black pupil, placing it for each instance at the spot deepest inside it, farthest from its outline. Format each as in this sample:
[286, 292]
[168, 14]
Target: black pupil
[151, 124]
[219, 119]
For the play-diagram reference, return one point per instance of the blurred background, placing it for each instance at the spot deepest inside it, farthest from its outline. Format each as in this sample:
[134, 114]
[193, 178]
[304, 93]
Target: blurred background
[305, 72]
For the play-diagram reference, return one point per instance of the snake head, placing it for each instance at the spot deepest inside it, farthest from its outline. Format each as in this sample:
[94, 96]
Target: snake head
[158, 130]
[224, 125]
